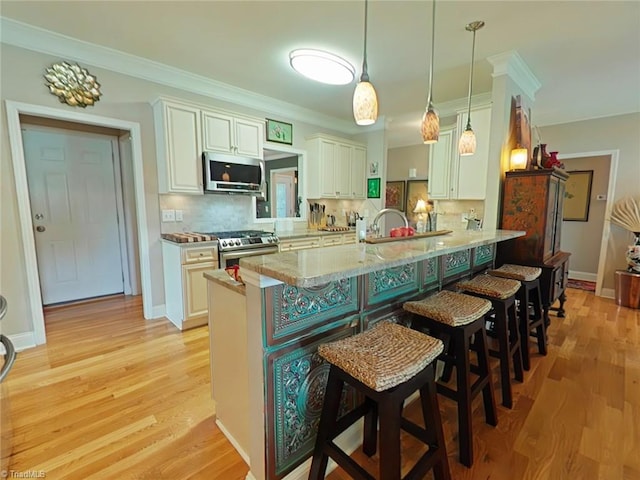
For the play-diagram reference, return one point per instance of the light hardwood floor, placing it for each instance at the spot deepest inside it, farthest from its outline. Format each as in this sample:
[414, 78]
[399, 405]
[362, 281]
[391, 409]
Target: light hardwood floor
[112, 396]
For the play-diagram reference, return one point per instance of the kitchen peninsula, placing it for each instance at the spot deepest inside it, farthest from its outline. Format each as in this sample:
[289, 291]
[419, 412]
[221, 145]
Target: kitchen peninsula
[295, 301]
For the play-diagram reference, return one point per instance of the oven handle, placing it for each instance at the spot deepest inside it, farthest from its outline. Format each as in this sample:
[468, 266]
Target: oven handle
[247, 253]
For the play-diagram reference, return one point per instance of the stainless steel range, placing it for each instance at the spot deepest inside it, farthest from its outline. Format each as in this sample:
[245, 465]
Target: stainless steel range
[232, 246]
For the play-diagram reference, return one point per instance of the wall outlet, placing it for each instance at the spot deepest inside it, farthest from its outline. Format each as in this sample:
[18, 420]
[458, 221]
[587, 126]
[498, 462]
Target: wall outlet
[168, 215]
[178, 215]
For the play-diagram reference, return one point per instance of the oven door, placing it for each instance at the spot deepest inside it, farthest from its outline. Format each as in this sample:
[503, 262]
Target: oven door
[231, 258]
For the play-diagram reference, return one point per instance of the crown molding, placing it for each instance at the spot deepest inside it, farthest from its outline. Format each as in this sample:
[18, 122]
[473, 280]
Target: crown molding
[511, 64]
[44, 41]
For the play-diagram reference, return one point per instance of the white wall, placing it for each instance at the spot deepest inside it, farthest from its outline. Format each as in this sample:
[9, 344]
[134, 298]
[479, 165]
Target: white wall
[124, 98]
[610, 133]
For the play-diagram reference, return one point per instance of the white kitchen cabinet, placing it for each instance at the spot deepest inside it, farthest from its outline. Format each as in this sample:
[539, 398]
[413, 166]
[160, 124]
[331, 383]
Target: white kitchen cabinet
[456, 177]
[178, 148]
[359, 172]
[184, 283]
[299, 243]
[336, 168]
[223, 132]
[440, 158]
[470, 176]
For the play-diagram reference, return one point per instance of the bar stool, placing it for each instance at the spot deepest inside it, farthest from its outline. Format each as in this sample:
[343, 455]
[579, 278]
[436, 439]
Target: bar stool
[529, 293]
[386, 364]
[501, 292]
[460, 317]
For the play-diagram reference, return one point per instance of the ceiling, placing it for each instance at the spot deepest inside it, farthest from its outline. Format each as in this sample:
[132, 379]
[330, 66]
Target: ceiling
[586, 54]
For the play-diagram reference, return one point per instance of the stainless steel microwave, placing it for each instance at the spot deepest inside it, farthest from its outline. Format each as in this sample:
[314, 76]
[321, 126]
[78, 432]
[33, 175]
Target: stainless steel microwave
[230, 174]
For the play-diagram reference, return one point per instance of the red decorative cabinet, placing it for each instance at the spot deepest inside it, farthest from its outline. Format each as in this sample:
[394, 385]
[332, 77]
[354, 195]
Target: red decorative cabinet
[532, 201]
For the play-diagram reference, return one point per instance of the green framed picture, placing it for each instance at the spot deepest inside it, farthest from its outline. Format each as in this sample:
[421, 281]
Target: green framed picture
[279, 132]
[373, 188]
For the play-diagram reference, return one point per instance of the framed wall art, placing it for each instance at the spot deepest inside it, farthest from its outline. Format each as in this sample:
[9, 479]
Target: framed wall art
[279, 132]
[373, 188]
[577, 196]
[394, 195]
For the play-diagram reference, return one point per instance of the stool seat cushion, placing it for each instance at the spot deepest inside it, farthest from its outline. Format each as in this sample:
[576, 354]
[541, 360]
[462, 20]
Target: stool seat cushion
[451, 308]
[517, 272]
[384, 356]
[490, 286]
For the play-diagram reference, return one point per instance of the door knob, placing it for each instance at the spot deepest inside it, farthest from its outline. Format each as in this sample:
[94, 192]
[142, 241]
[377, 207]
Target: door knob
[40, 228]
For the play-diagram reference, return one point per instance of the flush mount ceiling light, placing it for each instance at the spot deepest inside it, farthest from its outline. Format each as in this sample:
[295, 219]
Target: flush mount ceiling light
[365, 100]
[430, 121]
[322, 66]
[467, 144]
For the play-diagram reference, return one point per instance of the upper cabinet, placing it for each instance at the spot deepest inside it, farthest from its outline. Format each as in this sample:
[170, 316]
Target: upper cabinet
[232, 135]
[336, 168]
[184, 131]
[456, 177]
[440, 157]
[179, 148]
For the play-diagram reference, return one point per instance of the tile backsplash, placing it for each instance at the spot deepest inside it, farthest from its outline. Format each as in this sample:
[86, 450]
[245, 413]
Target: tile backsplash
[208, 213]
[451, 212]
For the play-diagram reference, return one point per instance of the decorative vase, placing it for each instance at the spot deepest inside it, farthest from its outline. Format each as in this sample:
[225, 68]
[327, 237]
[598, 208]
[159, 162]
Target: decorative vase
[540, 155]
[633, 255]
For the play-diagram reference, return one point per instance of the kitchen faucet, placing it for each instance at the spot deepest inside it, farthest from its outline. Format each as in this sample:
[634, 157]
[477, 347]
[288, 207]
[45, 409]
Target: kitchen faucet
[376, 228]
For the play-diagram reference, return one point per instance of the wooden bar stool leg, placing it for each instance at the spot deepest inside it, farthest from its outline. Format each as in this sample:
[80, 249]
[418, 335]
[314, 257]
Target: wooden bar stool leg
[515, 344]
[369, 444]
[503, 353]
[390, 420]
[463, 373]
[488, 397]
[541, 329]
[523, 297]
[327, 424]
[433, 425]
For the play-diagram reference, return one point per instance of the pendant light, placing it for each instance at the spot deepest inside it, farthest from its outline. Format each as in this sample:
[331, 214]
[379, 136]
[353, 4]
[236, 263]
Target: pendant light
[365, 100]
[430, 121]
[467, 144]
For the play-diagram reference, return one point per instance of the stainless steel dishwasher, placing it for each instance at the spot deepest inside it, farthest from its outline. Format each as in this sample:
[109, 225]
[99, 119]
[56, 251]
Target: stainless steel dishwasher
[5, 415]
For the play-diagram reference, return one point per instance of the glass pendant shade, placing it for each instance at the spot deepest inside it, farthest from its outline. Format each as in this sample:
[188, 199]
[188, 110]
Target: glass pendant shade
[430, 127]
[467, 145]
[365, 104]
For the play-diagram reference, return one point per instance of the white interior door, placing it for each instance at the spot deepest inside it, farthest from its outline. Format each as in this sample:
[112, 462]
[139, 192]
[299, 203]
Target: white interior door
[282, 194]
[73, 204]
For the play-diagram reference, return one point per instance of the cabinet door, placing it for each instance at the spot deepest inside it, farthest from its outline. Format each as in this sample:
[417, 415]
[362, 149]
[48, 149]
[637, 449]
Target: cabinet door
[342, 178]
[470, 183]
[440, 156]
[248, 138]
[552, 212]
[327, 161]
[557, 225]
[183, 166]
[218, 131]
[195, 289]
[358, 172]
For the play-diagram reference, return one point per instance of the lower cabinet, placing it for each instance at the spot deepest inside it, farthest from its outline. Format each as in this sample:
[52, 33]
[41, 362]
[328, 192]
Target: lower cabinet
[184, 283]
[316, 241]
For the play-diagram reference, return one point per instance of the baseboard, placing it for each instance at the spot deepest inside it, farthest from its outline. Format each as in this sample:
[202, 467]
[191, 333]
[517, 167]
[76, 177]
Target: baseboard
[158, 311]
[608, 293]
[584, 276]
[235, 444]
[23, 341]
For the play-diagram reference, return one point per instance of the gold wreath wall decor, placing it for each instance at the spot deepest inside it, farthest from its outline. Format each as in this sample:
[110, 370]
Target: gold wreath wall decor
[72, 84]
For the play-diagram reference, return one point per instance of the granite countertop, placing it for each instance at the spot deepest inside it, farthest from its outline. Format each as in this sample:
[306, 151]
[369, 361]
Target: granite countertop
[309, 232]
[221, 277]
[312, 267]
